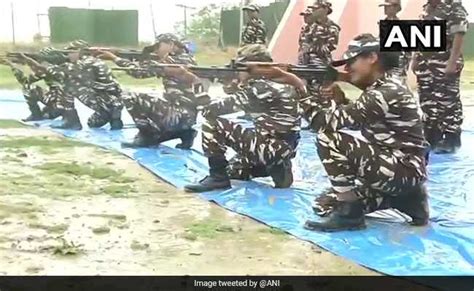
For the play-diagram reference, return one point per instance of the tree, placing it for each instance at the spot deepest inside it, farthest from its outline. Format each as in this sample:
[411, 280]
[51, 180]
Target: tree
[204, 25]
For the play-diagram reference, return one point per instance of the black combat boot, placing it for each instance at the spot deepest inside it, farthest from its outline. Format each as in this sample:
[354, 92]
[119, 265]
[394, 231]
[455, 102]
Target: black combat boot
[282, 175]
[346, 215]
[116, 119]
[116, 124]
[449, 145]
[51, 113]
[414, 204]
[36, 113]
[70, 121]
[433, 137]
[143, 139]
[218, 178]
[187, 139]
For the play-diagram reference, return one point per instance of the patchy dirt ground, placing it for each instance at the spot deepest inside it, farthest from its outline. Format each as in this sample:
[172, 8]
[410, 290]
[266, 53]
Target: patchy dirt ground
[68, 208]
[71, 208]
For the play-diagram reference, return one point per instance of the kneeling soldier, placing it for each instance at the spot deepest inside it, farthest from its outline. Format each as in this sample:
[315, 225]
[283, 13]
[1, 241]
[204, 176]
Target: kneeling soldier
[387, 169]
[270, 145]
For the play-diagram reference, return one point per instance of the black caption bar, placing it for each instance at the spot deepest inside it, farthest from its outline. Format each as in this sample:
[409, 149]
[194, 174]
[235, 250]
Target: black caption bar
[234, 283]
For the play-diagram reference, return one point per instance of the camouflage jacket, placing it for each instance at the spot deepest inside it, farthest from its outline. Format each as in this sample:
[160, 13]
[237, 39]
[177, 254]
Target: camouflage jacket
[322, 40]
[273, 106]
[176, 91]
[303, 43]
[27, 80]
[88, 72]
[455, 15]
[404, 61]
[387, 114]
[254, 32]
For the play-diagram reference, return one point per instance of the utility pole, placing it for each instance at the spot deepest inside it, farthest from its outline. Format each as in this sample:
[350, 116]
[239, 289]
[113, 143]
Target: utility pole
[153, 19]
[185, 9]
[13, 23]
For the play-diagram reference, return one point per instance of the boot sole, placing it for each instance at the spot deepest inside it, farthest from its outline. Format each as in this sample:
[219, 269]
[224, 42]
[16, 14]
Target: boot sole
[350, 228]
[207, 190]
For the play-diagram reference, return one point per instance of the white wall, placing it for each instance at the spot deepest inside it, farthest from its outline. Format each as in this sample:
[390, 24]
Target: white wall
[165, 12]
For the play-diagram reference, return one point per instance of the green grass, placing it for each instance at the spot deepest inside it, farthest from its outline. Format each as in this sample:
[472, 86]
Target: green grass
[272, 230]
[206, 229]
[118, 190]
[27, 142]
[59, 228]
[7, 123]
[76, 169]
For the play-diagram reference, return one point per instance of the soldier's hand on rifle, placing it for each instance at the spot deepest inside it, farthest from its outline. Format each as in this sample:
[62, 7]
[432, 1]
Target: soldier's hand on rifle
[182, 74]
[333, 92]
[278, 75]
[106, 55]
[451, 67]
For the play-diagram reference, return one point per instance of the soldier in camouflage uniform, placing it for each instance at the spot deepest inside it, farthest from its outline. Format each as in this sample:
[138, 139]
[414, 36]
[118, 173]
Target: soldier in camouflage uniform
[90, 81]
[438, 76]
[321, 40]
[265, 150]
[35, 94]
[303, 40]
[167, 117]
[254, 32]
[323, 35]
[391, 9]
[389, 163]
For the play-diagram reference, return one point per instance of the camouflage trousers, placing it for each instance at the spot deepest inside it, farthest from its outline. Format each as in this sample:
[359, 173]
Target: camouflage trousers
[34, 93]
[373, 173]
[158, 116]
[255, 152]
[49, 98]
[106, 105]
[440, 97]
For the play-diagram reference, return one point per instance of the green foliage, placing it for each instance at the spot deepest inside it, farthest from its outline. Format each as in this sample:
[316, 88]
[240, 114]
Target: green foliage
[204, 25]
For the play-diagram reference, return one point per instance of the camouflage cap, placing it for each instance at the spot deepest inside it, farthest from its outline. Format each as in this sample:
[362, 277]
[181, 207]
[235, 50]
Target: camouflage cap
[52, 55]
[392, 3]
[253, 53]
[166, 37]
[360, 44]
[252, 7]
[77, 45]
[47, 51]
[322, 3]
[306, 12]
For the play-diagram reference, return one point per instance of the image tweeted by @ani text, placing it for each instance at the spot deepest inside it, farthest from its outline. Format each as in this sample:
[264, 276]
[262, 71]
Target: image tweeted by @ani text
[233, 283]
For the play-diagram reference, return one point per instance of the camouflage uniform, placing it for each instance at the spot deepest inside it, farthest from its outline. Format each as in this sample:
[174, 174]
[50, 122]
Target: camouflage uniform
[390, 162]
[162, 117]
[91, 81]
[273, 140]
[404, 64]
[254, 31]
[439, 93]
[303, 39]
[34, 93]
[321, 41]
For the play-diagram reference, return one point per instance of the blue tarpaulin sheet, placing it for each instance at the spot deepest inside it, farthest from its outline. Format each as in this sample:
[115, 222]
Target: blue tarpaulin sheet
[388, 245]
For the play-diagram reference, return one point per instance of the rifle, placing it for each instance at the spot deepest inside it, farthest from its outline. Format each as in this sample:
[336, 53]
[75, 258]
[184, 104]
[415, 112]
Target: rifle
[17, 58]
[131, 55]
[215, 73]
